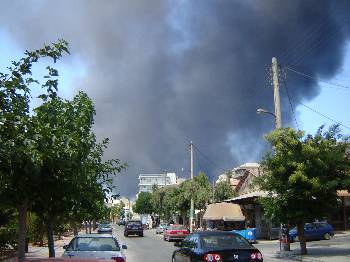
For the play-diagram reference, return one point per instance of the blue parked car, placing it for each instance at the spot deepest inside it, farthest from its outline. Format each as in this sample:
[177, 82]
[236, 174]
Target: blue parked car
[249, 234]
[313, 231]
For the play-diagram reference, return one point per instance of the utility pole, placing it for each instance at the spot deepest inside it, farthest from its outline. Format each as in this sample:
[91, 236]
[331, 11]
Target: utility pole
[276, 94]
[192, 204]
[284, 241]
[165, 175]
[213, 190]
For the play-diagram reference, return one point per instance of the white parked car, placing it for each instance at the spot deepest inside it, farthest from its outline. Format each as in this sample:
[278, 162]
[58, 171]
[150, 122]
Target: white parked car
[161, 228]
[95, 246]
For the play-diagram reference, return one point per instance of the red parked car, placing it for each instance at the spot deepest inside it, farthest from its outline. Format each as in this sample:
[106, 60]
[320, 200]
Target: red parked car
[175, 232]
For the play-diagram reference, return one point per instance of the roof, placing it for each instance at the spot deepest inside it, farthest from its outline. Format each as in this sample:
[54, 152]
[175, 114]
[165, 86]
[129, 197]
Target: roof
[94, 235]
[224, 211]
[249, 195]
[214, 232]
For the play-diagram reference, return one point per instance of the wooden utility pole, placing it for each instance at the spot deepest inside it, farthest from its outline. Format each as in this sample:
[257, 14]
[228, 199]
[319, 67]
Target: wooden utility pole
[276, 94]
[192, 203]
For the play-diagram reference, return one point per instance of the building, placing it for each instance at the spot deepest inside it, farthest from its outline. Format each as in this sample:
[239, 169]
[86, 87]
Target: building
[147, 181]
[240, 178]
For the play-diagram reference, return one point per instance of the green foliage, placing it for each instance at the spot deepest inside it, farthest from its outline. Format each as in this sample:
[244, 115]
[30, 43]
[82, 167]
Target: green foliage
[303, 174]
[117, 210]
[50, 159]
[143, 203]
[223, 190]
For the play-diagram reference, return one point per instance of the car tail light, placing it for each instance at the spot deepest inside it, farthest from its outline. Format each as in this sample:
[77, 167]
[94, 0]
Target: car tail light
[212, 257]
[256, 256]
[172, 232]
[118, 259]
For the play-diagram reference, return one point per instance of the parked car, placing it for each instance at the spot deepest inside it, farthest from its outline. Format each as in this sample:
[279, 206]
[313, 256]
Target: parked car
[175, 232]
[121, 222]
[161, 228]
[313, 231]
[216, 246]
[133, 227]
[95, 246]
[104, 228]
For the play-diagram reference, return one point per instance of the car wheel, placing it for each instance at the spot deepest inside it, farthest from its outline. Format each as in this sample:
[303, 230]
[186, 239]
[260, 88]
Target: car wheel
[164, 238]
[327, 236]
[125, 235]
[141, 235]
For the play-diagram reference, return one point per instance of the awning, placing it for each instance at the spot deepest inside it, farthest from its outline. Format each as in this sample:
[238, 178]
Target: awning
[224, 211]
[343, 193]
[253, 194]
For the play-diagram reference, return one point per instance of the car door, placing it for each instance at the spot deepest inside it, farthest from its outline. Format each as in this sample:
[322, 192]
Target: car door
[310, 231]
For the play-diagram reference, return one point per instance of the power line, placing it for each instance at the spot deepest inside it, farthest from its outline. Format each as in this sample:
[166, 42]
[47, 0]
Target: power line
[315, 78]
[284, 81]
[321, 114]
[211, 161]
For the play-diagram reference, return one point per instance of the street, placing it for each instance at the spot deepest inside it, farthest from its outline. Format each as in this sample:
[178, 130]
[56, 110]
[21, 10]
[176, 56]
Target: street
[152, 246]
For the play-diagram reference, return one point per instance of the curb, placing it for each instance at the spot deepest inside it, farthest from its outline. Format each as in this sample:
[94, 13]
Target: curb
[291, 256]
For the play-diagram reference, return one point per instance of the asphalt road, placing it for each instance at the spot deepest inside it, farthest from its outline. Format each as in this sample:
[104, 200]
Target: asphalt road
[153, 247]
[150, 247]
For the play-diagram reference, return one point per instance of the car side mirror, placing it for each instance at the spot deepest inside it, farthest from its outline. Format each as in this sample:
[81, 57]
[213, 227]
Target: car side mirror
[124, 247]
[65, 247]
[178, 244]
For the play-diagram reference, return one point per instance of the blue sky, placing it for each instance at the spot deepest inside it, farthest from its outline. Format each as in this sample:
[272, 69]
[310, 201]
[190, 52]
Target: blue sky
[333, 102]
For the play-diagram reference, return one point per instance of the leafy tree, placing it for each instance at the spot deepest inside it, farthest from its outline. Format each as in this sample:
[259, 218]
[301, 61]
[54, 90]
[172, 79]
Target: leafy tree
[143, 204]
[223, 190]
[303, 175]
[117, 210]
[19, 158]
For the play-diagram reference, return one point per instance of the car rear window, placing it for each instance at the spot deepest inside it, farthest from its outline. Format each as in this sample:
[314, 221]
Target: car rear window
[131, 223]
[177, 227]
[105, 225]
[94, 244]
[224, 241]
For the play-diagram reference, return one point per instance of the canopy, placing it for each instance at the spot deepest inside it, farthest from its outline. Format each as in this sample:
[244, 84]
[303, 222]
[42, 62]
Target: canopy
[224, 211]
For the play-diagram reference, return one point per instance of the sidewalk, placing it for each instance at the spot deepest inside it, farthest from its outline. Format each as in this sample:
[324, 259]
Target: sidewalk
[338, 250]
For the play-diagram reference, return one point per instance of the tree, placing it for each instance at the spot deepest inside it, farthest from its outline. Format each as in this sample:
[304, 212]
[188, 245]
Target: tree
[117, 210]
[72, 167]
[143, 203]
[303, 175]
[223, 190]
[19, 159]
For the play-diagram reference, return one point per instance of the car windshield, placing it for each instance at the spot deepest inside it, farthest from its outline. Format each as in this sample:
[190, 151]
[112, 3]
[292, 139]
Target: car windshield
[94, 244]
[177, 227]
[224, 241]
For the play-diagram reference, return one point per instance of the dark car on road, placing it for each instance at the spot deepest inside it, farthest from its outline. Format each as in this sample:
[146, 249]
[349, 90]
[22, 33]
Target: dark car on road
[133, 227]
[216, 246]
[313, 231]
[104, 228]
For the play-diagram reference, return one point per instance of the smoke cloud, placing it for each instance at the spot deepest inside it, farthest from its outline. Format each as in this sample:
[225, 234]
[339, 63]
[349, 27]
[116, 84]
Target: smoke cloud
[162, 73]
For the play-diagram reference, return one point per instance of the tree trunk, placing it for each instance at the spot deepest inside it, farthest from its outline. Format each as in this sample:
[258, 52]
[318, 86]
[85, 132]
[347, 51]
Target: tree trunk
[86, 227]
[90, 227]
[50, 240]
[301, 234]
[22, 231]
[75, 229]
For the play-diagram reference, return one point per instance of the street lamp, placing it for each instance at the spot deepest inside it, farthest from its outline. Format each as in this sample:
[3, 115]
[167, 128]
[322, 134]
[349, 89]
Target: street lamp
[260, 111]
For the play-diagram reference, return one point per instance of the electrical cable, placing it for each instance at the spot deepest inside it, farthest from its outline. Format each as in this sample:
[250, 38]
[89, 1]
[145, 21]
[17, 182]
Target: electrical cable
[284, 81]
[315, 78]
[319, 113]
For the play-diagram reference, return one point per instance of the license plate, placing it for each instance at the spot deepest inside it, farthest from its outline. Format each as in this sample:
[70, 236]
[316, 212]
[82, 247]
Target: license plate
[179, 233]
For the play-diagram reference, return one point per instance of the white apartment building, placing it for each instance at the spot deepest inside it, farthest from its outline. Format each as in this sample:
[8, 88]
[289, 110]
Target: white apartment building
[146, 181]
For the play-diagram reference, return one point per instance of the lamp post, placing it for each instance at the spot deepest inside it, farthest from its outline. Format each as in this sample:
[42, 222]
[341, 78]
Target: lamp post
[260, 111]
